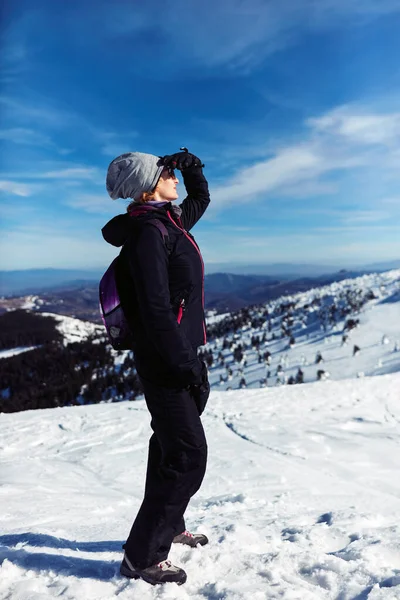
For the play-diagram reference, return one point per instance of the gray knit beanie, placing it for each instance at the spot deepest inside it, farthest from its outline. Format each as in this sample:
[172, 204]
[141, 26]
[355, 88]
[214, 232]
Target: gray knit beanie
[133, 173]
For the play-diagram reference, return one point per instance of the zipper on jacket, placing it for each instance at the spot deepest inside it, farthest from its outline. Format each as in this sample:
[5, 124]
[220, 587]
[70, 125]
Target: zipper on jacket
[181, 310]
[191, 240]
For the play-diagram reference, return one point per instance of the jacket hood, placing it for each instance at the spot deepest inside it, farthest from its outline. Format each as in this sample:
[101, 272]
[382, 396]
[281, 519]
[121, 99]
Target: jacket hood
[116, 231]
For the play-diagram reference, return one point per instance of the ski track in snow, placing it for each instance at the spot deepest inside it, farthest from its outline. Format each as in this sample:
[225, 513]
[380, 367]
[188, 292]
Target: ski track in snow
[301, 499]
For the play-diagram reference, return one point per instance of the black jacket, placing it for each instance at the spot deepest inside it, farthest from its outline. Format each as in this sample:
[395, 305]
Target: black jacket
[161, 285]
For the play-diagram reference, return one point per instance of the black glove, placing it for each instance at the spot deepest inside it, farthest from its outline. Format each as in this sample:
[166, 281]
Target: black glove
[181, 161]
[201, 391]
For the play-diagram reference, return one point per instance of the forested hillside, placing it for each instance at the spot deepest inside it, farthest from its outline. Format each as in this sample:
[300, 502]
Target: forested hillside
[343, 330]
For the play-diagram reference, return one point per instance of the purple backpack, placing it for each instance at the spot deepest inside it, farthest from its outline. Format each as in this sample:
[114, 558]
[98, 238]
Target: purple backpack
[112, 314]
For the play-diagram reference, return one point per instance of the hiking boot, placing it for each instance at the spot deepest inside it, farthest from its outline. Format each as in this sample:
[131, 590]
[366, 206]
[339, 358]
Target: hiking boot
[163, 572]
[190, 539]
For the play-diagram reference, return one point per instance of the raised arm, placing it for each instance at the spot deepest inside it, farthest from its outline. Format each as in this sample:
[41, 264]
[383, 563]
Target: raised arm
[198, 198]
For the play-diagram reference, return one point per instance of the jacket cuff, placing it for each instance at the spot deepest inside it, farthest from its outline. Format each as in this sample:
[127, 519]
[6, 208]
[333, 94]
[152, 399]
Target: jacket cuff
[192, 172]
[194, 376]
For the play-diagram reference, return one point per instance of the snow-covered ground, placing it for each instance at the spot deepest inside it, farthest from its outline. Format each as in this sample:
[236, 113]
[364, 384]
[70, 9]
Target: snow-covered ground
[74, 330]
[212, 318]
[377, 336]
[15, 351]
[301, 499]
[32, 302]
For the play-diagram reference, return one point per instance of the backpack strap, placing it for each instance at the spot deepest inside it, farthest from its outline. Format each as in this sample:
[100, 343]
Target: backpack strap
[164, 232]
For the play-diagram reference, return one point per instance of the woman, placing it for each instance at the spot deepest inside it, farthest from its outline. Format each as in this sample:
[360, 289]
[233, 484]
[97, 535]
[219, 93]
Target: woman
[160, 281]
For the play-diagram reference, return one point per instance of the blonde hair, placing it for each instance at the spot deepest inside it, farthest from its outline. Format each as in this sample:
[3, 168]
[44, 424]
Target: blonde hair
[143, 198]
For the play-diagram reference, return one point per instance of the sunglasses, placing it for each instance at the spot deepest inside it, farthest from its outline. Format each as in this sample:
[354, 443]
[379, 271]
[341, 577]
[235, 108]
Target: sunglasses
[171, 171]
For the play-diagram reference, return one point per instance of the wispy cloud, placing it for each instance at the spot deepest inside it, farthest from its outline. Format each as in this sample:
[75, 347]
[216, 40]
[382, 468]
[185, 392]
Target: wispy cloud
[239, 35]
[114, 143]
[115, 149]
[74, 173]
[90, 173]
[344, 140]
[291, 166]
[92, 203]
[15, 188]
[13, 55]
[365, 216]
[365, 128]
[21, 135]
[31, 137]
[393, 201]
[21, 111]
[25, 114]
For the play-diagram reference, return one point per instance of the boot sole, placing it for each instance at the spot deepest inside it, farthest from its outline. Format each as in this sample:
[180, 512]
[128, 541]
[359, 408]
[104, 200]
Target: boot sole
[133, 575]
[203, 543]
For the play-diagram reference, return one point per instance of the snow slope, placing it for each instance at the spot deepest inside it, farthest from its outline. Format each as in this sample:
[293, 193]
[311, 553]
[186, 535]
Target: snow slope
[301, 499]
[378, 318]
[15, 351]
[75, 330]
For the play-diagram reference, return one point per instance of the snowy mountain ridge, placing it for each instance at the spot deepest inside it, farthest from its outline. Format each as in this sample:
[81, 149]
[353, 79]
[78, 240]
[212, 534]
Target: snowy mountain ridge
[72, 330]
[346, 329]
[75, 330]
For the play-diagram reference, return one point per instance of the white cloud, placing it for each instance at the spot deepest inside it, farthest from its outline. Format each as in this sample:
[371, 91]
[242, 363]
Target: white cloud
[347, 140]
[290, 165]
[116, 149]
[14, 53]
[392, 201]
[233, 33]
[16, 110]
[26, 115]
[21, 135]
[94, 203]
[366, 129]
[114, 144]
[16, 188]
[68, 173]
[365, 216]
[30, 137]
[71, 173]
[309, 189]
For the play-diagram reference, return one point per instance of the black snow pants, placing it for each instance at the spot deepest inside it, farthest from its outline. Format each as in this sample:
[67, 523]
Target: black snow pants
[176, 466]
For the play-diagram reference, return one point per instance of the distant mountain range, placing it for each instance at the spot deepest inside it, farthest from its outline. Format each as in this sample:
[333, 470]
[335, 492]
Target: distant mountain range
[33, 281]
[294, 270]
[223, 292]
[227, 292]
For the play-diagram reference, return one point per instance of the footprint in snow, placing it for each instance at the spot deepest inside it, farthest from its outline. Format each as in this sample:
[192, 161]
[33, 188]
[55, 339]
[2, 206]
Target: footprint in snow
[221, 500]
[326, 518]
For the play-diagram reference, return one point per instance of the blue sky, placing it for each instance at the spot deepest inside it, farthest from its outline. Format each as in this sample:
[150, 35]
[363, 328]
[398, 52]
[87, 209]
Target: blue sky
[292, 105]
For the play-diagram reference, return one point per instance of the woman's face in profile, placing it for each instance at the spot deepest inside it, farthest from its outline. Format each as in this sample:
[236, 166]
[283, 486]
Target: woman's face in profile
[166, 186]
